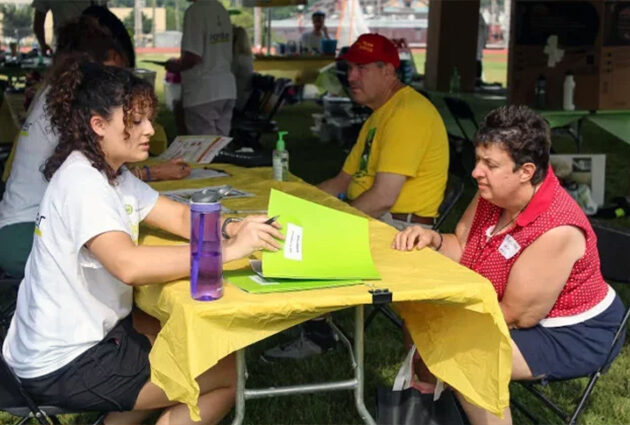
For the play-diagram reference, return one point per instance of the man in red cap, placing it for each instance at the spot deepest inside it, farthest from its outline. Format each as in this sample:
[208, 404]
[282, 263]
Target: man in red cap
[397, 169]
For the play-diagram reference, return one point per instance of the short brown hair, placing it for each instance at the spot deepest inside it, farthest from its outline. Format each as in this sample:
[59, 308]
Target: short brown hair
[523, 133]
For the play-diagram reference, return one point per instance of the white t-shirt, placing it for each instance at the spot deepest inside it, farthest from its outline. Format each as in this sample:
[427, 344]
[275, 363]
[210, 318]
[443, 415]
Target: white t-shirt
[68, 301]
[26, 184]
[208, 33]
[312, 41]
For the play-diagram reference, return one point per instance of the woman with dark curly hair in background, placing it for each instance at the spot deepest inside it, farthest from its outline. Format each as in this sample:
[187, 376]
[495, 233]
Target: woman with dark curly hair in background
[71, 340]
[85, 39]
[530, 239]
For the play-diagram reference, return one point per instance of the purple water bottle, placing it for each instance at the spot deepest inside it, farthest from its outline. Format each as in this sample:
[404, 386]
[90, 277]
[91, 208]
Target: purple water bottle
[206, 267]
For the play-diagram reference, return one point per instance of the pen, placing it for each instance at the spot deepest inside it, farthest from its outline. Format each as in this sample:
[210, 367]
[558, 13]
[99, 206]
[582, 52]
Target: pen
[272, 219]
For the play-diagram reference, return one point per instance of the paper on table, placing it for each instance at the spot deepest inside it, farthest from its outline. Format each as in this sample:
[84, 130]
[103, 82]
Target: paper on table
[205, 173]
[321, 242]
[183, 195]
[248, 281]
[198, 149]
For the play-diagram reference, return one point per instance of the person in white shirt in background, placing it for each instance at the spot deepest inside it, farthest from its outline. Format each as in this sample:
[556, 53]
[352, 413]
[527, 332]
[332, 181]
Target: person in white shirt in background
[312, 40]
[208, 85]
[242, 66]
[72, 341]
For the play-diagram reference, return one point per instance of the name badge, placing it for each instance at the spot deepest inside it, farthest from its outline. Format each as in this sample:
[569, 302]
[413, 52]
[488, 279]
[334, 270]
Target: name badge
[509, 247]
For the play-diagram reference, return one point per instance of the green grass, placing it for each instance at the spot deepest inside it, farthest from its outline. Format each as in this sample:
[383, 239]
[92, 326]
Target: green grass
[494, 69]
[314, 162]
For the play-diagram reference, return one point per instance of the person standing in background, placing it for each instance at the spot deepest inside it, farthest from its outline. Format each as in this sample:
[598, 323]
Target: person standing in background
[311, 40]
[62, 12]
[482, 39]
[208, 85]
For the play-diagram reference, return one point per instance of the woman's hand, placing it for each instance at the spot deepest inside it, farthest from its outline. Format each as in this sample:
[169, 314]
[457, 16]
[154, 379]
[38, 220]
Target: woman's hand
[234, 227]
[253, 235]
[175, 169]
[415, 237]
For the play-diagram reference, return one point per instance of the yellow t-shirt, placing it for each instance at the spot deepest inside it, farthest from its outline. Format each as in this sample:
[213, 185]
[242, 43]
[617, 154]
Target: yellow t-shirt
[404, 136]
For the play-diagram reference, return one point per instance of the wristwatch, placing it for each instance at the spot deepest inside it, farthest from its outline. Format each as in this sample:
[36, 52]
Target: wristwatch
[225, 223]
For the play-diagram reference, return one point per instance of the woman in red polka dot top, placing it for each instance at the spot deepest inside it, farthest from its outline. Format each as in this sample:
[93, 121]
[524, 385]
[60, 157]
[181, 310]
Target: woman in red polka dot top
[531, 240]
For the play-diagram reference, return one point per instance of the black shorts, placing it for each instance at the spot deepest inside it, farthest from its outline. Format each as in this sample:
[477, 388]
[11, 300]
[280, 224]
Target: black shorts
[107, 377]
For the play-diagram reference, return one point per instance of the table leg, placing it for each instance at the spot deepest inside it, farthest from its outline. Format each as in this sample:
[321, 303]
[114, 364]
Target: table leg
[357, 383]
[359, 371]
[239, 408]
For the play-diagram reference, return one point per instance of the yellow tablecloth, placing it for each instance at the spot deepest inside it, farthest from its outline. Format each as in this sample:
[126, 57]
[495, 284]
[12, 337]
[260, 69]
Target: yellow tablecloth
[451, 312]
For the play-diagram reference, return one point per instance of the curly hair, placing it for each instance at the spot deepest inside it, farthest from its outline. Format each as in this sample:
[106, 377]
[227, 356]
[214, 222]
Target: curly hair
[86, 89]
[523, 133]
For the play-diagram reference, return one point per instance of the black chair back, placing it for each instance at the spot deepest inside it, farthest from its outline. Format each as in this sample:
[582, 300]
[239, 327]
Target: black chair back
[461, 112]
[613, 244]
[454, 191]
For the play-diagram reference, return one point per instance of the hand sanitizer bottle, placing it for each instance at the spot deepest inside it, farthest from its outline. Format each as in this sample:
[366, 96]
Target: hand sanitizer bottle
[280, 159]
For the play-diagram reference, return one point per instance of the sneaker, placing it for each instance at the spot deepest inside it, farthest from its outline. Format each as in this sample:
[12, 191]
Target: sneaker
[300, 348]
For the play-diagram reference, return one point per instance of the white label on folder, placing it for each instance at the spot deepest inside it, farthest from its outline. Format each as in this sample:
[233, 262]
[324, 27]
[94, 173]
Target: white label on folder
[293, 243]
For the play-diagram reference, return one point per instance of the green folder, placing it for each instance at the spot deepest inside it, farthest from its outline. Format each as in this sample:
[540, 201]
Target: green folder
[249, 281]
[321, 242]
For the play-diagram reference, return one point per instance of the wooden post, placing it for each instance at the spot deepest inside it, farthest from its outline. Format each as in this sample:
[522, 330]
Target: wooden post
[451, 43]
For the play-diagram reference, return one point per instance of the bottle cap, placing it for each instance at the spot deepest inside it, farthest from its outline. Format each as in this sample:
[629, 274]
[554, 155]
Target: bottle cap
[205, 196]
[280, 141]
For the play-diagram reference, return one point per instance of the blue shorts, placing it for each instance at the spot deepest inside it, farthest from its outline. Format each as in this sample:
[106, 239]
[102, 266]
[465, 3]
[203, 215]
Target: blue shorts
[567, 352]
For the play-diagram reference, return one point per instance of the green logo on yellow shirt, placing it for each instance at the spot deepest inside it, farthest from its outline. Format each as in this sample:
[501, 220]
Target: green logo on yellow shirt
[365, 156]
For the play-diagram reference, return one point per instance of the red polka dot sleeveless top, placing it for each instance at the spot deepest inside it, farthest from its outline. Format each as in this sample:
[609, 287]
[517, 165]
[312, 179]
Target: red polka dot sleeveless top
[550, 207]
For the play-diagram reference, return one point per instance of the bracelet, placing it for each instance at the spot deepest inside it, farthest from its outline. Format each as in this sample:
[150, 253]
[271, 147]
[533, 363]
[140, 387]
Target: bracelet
[148, 171]
[441, 240]
[227, 221]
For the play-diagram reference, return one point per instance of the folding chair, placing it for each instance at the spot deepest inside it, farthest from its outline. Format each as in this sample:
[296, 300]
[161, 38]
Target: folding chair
[249, 127]
[8, 296]
[462, 151]
[15, 400]
[613, 244]
[452, 193]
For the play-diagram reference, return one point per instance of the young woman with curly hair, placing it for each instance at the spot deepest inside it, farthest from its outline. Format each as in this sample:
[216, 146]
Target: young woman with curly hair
[71, 340]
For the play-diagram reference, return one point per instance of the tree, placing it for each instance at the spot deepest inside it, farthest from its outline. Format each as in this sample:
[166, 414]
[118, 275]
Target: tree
[17, 22]
[146, 23]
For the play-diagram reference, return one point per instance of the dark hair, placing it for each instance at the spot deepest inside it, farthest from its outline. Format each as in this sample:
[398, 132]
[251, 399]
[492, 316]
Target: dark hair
[84, 36]
[86, 89]
[523, 133]
[117, 29]
[318, 13]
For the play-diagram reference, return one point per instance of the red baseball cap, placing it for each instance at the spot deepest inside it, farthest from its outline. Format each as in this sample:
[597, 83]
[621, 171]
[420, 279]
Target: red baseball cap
[372, 48]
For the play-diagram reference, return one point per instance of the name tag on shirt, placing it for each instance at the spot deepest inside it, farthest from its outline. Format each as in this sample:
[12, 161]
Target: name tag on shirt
[509, 247]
